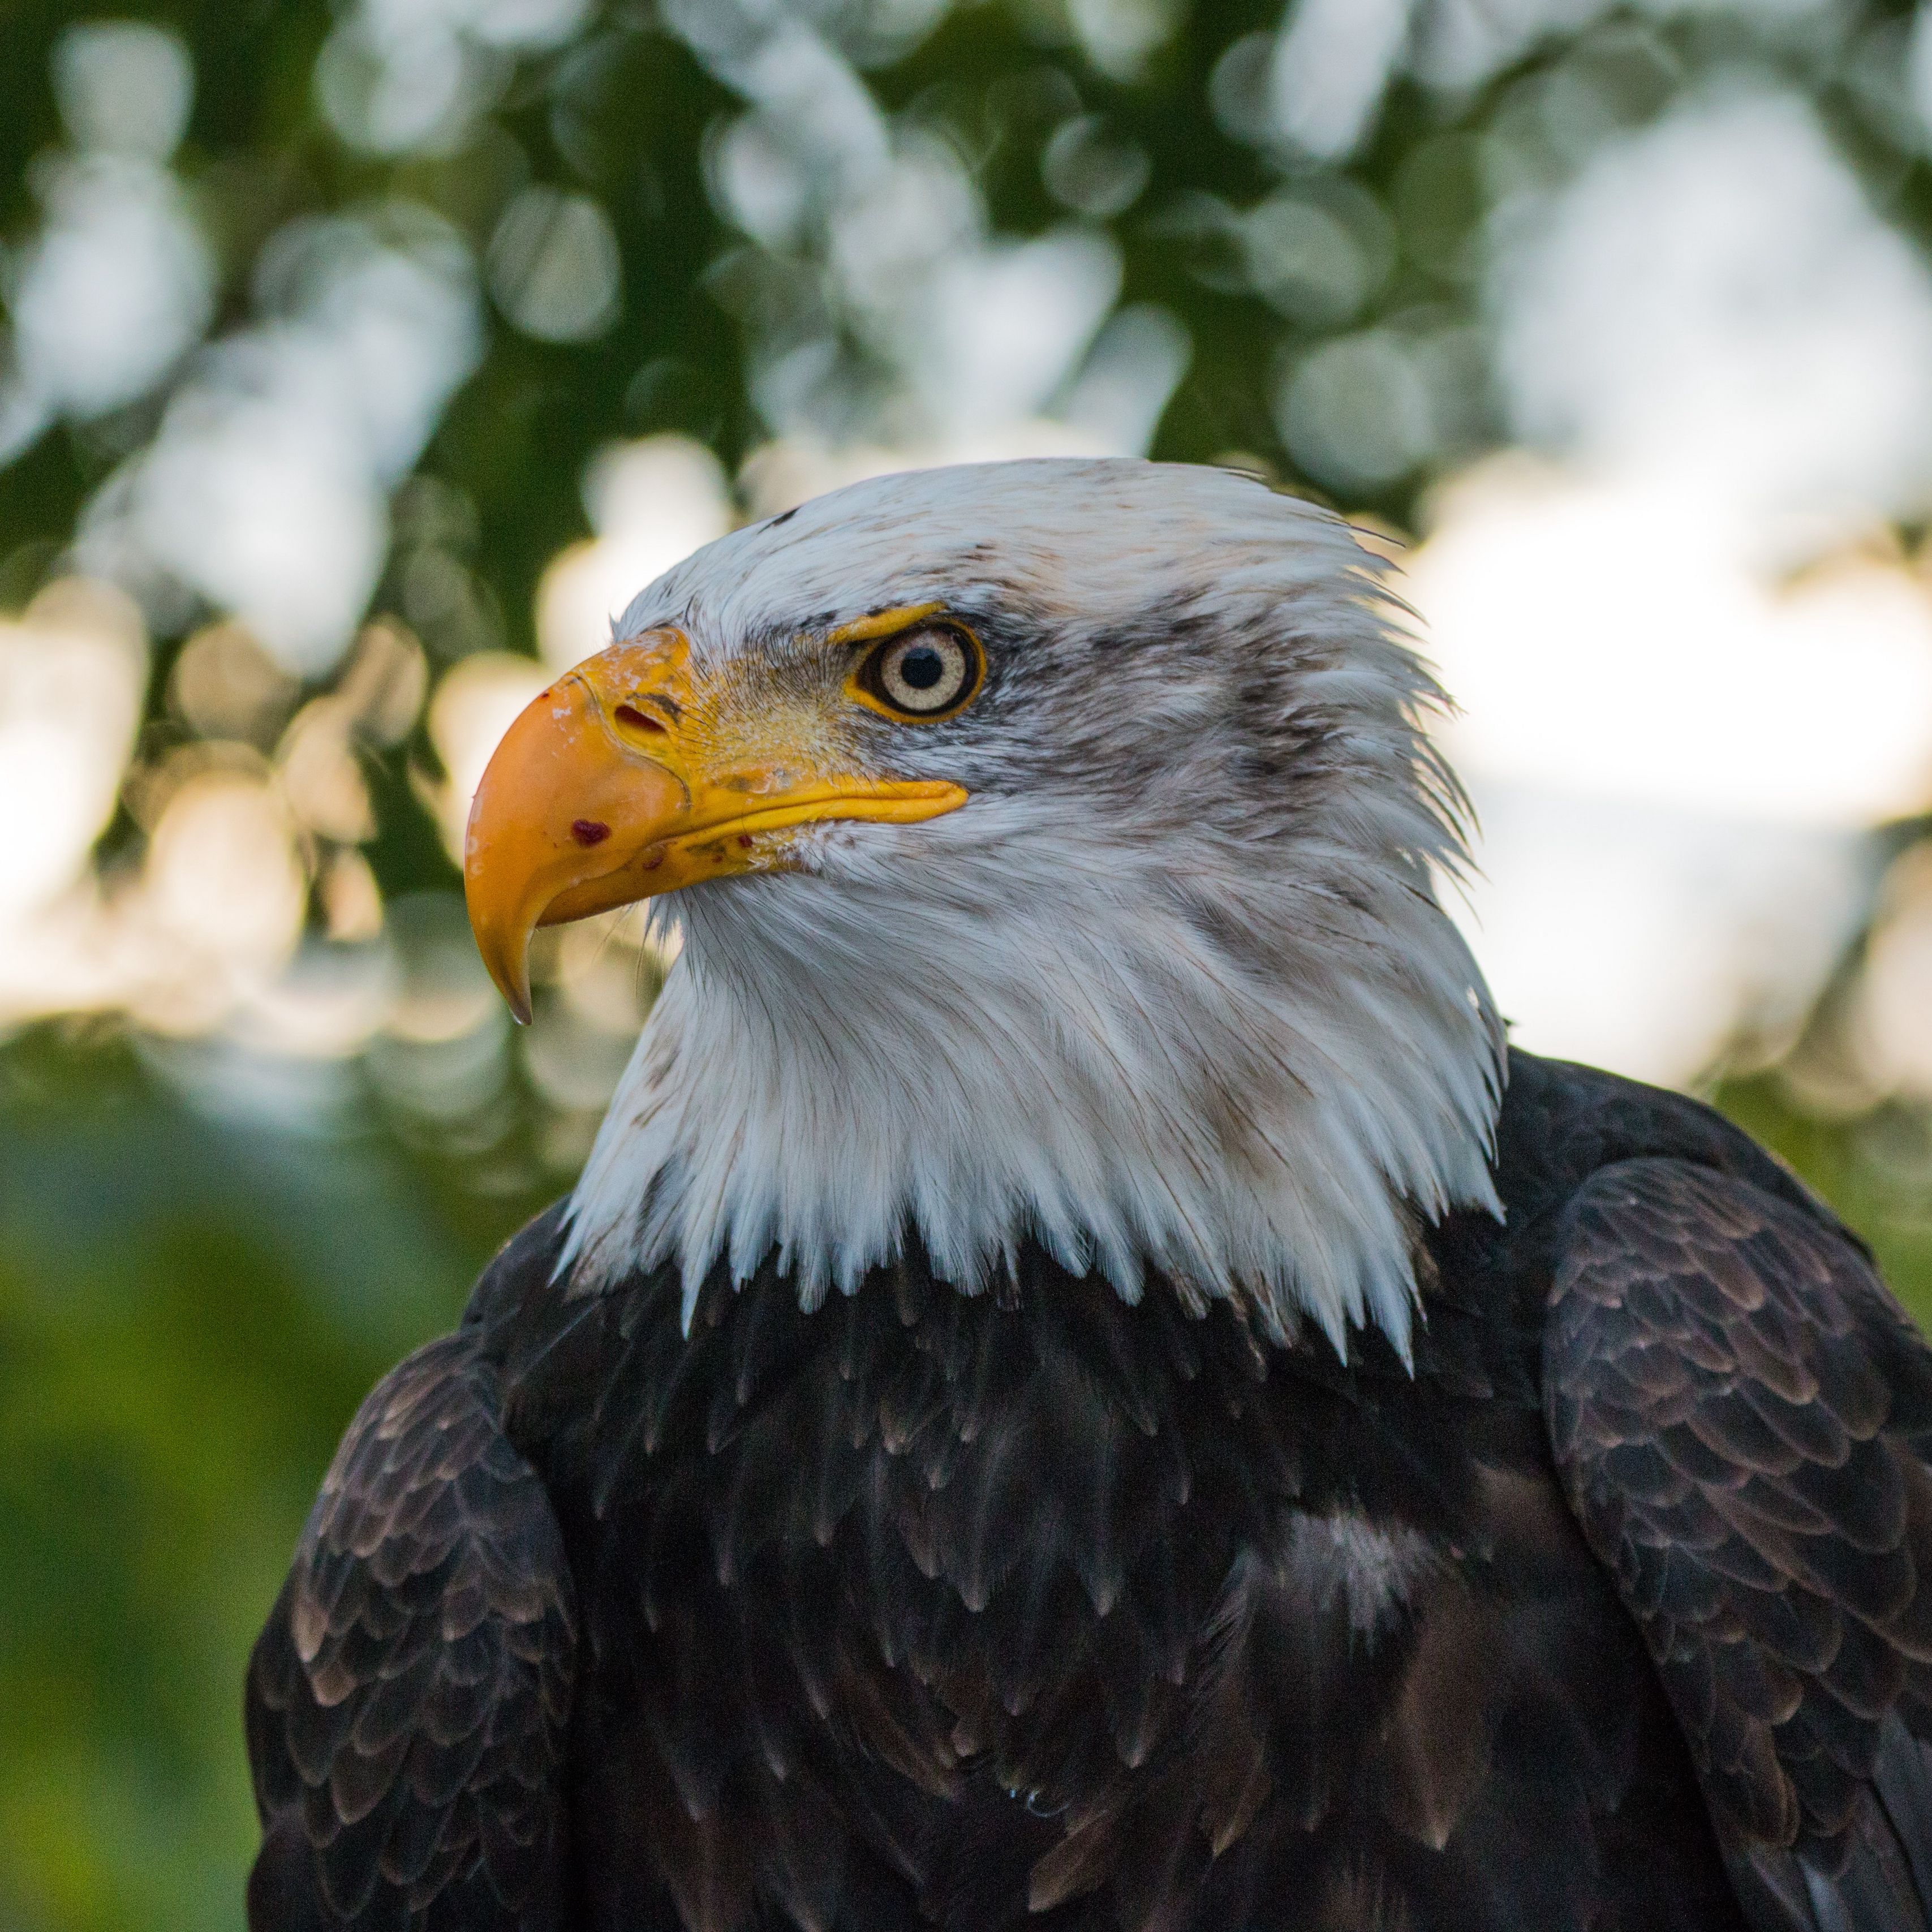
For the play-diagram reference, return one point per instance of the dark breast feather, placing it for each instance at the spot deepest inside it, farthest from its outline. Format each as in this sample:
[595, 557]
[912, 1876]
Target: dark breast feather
[1739, 1412]
[1047, 1611]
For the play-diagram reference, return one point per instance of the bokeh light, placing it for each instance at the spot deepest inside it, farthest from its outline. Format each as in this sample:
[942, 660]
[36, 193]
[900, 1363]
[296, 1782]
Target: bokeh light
[358, 364]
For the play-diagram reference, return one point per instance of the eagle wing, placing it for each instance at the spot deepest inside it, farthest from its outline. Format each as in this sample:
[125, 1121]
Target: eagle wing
[406, 1702]
[1741, 1415]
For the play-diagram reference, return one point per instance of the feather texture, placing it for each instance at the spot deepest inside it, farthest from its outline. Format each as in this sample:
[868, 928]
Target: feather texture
[1042, 1610]
[1172, 993]
[407, 1701]
[1738, 1408]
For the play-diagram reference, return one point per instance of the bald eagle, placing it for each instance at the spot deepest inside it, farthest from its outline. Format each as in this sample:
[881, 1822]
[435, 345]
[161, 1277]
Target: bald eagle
[1083, 1385]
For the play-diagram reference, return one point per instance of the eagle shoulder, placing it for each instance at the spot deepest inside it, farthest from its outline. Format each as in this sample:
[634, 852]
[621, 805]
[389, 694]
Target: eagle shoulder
[406, 1702]
[1739, 1414]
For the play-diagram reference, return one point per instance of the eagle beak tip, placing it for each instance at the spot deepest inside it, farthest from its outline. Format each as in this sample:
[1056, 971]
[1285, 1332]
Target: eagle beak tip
[509, 972]
[503, 944]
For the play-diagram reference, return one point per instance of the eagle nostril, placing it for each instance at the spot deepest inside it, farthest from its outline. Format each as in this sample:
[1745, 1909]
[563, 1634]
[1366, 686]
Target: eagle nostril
[588, 831]
[638, 721]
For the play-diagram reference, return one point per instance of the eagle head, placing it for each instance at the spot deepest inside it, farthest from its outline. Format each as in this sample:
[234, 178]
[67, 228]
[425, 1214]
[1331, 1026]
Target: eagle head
[1057, 848]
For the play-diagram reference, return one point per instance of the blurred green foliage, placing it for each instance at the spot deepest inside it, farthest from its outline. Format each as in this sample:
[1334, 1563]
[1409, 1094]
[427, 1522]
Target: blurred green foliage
[190, 1305]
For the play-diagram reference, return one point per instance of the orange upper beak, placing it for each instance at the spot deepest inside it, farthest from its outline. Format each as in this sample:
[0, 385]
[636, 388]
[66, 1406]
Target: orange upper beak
[620, 782]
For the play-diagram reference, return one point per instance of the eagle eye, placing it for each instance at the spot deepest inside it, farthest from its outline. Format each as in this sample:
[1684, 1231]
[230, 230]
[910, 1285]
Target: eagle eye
[930, 671]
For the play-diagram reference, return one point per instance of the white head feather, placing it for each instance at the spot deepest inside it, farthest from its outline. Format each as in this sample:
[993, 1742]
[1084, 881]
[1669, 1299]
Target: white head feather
[1172, 993]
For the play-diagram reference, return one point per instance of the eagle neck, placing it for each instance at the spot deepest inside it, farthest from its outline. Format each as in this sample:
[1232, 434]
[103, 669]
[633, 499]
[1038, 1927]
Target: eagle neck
[1254, 1093]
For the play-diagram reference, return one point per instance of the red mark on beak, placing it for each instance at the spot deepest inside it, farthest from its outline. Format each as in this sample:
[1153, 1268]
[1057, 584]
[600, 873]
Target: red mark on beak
[588, 831]
[744, 840]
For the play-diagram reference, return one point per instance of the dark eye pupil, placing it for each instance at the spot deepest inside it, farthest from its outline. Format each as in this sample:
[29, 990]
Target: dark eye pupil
[922, 668]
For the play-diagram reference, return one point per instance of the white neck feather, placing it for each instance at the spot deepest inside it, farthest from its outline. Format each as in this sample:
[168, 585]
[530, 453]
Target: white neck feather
[1211, 1084]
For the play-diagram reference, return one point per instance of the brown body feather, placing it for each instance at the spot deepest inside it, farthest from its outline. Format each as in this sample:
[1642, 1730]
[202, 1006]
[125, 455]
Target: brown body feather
[1043, 1610]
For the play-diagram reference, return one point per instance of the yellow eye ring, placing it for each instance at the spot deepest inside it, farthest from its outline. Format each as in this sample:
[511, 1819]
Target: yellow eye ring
[930, 670]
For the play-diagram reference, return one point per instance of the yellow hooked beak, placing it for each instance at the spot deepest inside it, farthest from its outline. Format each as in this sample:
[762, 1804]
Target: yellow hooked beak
[624, 780]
